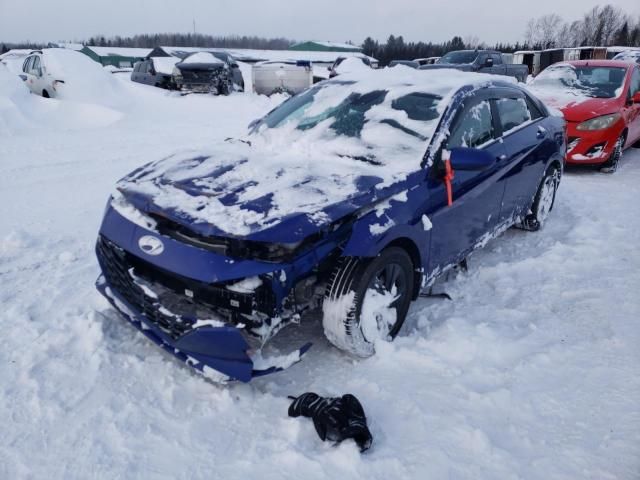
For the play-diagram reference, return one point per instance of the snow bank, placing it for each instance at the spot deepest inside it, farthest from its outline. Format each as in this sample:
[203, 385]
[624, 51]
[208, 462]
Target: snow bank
[14, 96]
[530, 373]
[85, 80]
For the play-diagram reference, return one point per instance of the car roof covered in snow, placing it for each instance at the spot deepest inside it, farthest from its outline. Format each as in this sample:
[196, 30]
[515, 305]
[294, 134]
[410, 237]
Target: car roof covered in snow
[440, 82]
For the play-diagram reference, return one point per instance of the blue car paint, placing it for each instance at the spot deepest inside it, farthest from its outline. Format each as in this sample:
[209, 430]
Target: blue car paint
[484, 202]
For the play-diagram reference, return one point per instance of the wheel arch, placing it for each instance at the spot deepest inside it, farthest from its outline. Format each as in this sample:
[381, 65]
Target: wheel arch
[411, 248]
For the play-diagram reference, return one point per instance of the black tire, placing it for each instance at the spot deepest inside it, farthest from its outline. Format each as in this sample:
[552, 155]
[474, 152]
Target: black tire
[611, 165]
[544, 200]
[356, 280]
[45, 94]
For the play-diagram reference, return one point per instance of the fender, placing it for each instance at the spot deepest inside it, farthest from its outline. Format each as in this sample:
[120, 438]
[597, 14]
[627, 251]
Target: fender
[375, 230]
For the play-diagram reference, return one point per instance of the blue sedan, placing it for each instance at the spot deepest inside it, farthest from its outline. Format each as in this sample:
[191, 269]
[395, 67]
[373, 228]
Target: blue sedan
[349, 198]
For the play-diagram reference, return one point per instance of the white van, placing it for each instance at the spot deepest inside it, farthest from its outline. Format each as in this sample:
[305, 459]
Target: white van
[275, 77]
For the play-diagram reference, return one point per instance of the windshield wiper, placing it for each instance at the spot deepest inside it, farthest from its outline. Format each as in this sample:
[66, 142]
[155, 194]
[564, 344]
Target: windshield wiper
[401, 127]
[370, 159]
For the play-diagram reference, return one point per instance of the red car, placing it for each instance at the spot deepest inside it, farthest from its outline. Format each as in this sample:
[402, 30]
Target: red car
[600, 100]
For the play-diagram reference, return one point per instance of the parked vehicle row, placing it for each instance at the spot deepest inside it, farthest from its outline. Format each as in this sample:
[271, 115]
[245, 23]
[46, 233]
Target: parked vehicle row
[199, 72]
[349, 198]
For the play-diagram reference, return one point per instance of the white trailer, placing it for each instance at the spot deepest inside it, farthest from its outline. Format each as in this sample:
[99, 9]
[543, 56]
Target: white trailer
[274, 77]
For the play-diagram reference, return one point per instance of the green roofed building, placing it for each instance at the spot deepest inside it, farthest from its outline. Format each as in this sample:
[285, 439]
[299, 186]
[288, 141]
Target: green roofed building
[116, 56]
[324, 47]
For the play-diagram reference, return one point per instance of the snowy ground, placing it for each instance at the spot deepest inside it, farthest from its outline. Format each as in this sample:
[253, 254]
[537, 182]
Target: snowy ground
[531, 372]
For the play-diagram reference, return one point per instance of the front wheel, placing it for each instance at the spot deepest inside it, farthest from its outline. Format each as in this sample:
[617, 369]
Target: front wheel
[367, 300]
[611, 165]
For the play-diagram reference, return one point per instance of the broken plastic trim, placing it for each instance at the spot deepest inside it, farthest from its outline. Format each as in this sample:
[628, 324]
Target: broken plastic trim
[222, 349]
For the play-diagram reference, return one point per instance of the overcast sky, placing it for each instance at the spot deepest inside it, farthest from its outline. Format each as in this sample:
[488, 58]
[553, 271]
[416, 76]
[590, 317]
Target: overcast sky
[335, 20]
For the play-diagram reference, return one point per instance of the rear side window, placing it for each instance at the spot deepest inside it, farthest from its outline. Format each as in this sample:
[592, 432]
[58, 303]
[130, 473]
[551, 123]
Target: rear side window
[418, 106]
[26, 66]
[513, 112]
[474, 128]
[497, 58]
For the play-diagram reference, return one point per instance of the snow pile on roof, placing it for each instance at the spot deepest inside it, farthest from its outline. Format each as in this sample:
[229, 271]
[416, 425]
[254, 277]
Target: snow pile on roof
[165, 64]
[252, 56]
[304, 165]
[202, 57]
[120, 51]
[351, 64]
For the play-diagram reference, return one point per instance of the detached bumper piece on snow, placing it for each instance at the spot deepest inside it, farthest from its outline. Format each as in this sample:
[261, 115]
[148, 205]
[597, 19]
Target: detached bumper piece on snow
[217, 349]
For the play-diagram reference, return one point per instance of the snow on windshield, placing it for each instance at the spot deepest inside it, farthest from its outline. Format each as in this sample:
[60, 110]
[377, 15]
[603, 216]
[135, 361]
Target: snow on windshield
[565, 83]
[361, 126]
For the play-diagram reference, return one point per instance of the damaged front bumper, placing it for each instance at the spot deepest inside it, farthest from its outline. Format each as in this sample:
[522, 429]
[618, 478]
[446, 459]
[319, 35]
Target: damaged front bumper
[221, 353]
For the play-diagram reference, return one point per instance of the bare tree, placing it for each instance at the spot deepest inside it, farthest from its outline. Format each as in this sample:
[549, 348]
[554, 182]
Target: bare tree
[472, 41]
[544, 31]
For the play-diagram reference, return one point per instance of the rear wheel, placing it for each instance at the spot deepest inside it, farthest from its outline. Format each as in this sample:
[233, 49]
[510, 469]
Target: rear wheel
[611, 165]
[368, 300]
[544, 200]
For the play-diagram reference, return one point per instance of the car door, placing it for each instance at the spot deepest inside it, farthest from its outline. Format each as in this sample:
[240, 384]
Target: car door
[37, 72]
[632, 110]
[477, 195]
[26, 68]
[527, 145]
[499, 68]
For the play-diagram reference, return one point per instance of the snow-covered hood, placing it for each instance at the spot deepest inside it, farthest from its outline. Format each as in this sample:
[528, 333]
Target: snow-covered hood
[254, 193]
[575, 107]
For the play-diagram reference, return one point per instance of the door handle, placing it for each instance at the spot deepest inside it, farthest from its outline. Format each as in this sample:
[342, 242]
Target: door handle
[502, 157]
[542, 133]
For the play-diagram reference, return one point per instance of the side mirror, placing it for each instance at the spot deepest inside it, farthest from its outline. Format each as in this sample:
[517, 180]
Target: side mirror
[488, 62]
[463, 158]
[329, 68]
[636, 98]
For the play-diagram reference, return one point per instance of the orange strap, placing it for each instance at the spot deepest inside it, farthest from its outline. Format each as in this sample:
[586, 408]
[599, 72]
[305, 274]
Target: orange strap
[448, 176]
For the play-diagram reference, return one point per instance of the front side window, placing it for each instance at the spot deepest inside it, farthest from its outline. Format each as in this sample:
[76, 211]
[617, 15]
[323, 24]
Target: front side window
[513, 112]
[475, 127]
[35, 65]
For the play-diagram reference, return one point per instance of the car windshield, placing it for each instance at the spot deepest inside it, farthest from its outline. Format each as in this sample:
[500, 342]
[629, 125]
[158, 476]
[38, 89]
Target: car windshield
[594, 82]
[459, 57]
[348, 113]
